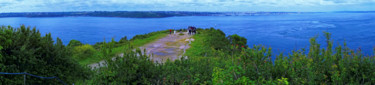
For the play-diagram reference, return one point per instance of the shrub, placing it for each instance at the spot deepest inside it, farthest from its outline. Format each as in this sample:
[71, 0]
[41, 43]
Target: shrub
[25, 50]
[83, 52]
[74, 43]
[215, 38]
[124, 40]
[237, 40]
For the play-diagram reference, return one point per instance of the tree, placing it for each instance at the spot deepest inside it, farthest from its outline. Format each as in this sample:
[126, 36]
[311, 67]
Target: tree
[74, 43]
[25, 50]
[216, 39]
[124, 40]
[237, 40]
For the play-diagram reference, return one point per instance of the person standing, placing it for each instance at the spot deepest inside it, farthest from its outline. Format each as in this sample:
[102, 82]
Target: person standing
[189, 30]
[170, 31]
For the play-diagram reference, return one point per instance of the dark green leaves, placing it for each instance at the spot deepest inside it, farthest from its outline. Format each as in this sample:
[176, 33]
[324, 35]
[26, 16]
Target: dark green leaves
[25, 50]
[74, 43]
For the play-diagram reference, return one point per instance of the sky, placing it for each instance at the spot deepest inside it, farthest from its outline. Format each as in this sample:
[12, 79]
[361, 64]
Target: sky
[186, 5]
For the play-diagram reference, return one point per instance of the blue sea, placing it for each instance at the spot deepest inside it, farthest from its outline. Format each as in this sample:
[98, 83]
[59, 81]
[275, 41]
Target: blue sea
[283, 33]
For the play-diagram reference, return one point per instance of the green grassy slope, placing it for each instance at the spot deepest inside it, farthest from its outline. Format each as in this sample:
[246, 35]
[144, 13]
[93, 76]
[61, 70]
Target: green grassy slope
[119, 48]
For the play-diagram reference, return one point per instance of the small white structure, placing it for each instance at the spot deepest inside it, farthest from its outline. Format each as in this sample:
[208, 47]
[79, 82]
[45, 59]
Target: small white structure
[191, 39]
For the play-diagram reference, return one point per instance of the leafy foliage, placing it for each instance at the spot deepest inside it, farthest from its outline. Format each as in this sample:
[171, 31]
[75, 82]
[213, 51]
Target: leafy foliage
[237, 40]
[74, 43]
[83, 52]
[25, 50]
[213, 58]
[124, 40]
[216, 40]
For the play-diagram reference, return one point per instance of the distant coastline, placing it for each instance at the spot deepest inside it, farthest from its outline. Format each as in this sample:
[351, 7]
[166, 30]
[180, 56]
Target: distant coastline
[151, 14]
[139, 14]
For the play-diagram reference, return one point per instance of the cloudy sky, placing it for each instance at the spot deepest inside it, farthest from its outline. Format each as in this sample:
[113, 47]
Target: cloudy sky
[185, 5]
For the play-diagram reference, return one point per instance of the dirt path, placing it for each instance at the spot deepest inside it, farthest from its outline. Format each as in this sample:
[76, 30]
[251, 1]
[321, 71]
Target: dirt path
[171, 47]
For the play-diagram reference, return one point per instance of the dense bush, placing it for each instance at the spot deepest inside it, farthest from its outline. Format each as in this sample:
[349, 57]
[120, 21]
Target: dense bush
[215, 38]
[131, 69]
[124, 40]
[25, 50]
[320, 66]
[237, 40]
[83, 52]
[74, 43]
[136, 68]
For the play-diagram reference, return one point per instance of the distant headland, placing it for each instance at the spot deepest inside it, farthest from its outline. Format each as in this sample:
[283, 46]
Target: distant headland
[136, 14]
[151, 14]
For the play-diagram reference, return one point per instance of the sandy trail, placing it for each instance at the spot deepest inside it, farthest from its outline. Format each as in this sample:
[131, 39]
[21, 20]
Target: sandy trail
[171, 47]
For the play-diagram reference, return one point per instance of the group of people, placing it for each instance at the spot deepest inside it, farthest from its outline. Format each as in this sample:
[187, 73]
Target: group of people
[192, 30]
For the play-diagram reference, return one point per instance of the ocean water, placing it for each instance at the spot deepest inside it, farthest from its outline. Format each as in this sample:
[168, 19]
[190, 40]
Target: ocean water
[283, 33]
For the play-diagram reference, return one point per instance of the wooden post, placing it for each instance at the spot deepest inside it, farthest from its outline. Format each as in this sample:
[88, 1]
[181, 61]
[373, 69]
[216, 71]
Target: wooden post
[24, 79]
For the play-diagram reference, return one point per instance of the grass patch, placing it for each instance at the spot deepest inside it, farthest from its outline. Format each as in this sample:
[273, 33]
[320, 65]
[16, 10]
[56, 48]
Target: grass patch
[198, 47]
[181, 34]
[95, 58]
[98, 56]
[141, 42]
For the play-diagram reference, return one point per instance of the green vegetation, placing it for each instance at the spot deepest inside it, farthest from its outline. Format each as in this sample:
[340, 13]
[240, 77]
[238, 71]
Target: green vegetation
[213, 58]
[25, 50]
[254, 65]
[83, 52]
[105, 50]
[74, 43]
[140, 40]
[181, 34]
[218, 59]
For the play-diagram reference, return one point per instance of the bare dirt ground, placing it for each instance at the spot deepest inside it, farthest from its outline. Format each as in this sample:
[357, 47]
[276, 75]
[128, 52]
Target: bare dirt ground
[171, 47]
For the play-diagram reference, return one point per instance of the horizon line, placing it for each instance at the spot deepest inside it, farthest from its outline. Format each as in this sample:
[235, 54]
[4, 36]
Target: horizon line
[194, 11]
